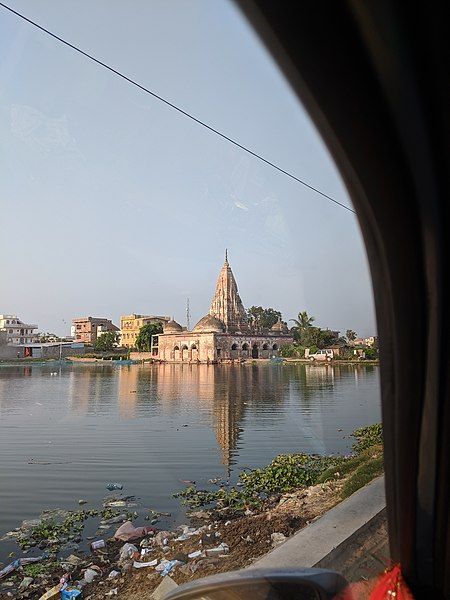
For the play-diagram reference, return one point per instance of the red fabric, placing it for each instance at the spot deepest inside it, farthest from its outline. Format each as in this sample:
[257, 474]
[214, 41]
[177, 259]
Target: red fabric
[391, 585]
[388, 586]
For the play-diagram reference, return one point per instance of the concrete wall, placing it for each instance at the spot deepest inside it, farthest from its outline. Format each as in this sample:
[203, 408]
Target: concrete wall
[141, 355]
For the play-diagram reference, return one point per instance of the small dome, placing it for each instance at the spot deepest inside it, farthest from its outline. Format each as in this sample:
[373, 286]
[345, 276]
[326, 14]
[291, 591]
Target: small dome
[279, 327]
[210, 323]
[172, 327]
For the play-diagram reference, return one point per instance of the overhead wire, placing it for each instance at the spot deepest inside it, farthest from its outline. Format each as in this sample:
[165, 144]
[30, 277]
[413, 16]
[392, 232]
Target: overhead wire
[177, 108]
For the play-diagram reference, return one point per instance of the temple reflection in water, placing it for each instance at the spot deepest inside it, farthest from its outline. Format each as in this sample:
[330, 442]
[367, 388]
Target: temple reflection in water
[224, 392]
[224, 397]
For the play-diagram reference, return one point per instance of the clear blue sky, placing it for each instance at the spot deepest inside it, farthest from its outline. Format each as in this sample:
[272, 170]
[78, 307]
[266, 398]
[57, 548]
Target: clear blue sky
[113, 203]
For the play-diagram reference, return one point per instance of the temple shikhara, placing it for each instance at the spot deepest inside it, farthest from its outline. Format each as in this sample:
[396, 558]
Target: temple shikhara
[224, 334]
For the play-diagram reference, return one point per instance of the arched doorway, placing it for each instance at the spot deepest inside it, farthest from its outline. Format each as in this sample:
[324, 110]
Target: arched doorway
[265, 351]
[194, 352]
[245, 350]
[176, 353]
[275, 350]
[255, 351]
[184, 353]
[234, 351]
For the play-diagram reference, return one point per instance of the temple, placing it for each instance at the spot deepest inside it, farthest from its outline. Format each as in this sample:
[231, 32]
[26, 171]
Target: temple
[224, 334]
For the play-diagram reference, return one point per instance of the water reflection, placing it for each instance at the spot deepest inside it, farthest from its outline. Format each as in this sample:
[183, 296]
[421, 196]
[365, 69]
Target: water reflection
[150, 426]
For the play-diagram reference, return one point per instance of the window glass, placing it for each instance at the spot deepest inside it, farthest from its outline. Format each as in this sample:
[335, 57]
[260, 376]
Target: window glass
[255, 346]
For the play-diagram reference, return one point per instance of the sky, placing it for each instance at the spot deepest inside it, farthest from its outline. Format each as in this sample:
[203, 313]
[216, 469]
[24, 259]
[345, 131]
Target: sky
[113, 203]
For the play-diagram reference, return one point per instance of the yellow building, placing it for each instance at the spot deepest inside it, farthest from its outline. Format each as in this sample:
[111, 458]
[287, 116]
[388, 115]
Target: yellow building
[131, 324]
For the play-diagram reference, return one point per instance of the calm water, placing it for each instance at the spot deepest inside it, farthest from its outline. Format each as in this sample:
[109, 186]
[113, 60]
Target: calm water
[64, 436]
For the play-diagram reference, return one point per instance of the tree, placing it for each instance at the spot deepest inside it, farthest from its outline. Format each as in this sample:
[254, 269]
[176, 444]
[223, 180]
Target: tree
[107, 341]
[144, 338]
[350, 335]
[303, 324]
[261, 317]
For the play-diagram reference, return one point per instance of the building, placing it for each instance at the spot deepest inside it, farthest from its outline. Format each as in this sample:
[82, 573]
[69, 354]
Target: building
[17, 332]
[88, 329]
[370, 342]
[224, 334]
[130, 326]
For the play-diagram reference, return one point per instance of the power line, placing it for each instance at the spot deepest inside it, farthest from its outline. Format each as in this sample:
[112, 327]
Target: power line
[177, 108]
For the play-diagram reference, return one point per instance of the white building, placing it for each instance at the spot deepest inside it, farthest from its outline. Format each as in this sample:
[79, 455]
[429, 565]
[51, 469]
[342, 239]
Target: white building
[17, 332]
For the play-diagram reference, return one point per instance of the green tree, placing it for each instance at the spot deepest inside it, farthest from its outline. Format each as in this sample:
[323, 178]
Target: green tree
[350, 335]
[303, 327]
[144, 338]
[263, 317]
[107, 341]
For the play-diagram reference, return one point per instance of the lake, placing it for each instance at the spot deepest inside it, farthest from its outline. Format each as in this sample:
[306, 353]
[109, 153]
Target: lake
[65, 432]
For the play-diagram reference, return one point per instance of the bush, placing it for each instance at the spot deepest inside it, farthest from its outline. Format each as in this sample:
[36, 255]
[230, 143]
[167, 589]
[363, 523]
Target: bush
[362, 476]
[371, 353]
[292, 351]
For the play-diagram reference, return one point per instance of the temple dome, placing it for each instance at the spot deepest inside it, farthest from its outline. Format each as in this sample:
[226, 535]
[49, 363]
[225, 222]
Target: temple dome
[172, 327]
[279, 327]
[210, 323]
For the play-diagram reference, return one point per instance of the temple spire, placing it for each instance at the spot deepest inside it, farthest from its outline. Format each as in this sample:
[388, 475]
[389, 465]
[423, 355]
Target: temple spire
[227, 305]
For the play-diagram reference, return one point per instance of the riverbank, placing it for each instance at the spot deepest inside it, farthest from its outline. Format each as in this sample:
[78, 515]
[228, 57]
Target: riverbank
[230, 527]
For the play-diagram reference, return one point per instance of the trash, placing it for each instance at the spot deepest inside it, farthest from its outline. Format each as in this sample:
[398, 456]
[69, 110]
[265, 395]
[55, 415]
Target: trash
[81, 502]
[89, 575]
[187, 481]
[218, 551]
[199, 514]
[162, 538]
[112, 592]
[128, 531]
[170, 566]
[69, 593]
[116, 519]
[73, 560]
[162, 565]
[113, 574]
[10, 568]
[146, 551]
[215, 480]
[146, 543]
[277, 538]
[98, 544]
[52, 593]
[127, 551]
[195, 554]
[20, 562]
[114, 486]
[114, 503]
[26, 582]
[141, 565]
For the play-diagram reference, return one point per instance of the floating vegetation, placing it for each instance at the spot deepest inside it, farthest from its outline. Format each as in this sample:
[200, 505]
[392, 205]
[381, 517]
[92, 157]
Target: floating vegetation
[288, 472]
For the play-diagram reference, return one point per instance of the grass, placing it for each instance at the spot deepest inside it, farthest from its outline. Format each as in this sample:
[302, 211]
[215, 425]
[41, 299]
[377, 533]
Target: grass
[362, 476]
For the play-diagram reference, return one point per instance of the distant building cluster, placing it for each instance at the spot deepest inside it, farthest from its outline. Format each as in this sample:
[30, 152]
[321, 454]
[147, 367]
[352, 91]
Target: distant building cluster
[224, 334]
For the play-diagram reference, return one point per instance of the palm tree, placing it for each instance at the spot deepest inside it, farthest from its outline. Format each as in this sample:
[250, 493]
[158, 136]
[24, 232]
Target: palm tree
[302, 324]
[304, 321]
